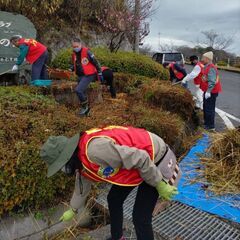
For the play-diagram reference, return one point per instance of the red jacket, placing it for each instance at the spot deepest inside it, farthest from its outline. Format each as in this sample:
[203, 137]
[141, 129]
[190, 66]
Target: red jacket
[128, 136]
[87, 67]
[198, 79]
[36, 49]
[204, 82]
[178, 75]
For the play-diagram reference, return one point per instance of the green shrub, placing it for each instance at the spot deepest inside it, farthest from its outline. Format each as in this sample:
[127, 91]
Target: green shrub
[169, 126]
[222, 63]
[129, 83]
[175, 99]
[26, 121]
[125, 62]
[161, 94]
[28, 118]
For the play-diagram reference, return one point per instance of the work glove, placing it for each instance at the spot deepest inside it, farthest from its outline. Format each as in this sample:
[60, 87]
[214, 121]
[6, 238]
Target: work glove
[166, 191]
[207, 95]
[184, 81]
[68, 215]
[15, 68]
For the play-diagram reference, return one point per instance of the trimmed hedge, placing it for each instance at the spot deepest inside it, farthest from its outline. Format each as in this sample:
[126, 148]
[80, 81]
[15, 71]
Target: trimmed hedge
[161, 94]
[125, 62]
[26, 121]
[28, 118]
[222, 63]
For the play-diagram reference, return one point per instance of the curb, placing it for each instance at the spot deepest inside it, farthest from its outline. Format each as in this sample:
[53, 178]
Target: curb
[14, 228]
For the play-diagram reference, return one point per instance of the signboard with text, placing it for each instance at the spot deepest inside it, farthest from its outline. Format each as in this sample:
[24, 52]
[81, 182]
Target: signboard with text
[10, 25]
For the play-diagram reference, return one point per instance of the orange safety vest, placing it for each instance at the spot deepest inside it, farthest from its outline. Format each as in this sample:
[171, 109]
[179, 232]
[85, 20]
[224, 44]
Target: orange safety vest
[127, 136]
[36, 49]
[204, 82]
[178, 75]
[198, 79]
[87, 66]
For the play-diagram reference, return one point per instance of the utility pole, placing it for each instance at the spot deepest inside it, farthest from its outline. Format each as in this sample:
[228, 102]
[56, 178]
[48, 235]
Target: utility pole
[137, 26]
[159, 42]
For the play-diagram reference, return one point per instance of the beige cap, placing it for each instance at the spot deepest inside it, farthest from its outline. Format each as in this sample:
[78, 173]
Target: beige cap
[208, 55]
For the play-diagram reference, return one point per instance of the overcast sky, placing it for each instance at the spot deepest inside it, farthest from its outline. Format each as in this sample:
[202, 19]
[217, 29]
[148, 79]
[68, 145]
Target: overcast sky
[181, 21]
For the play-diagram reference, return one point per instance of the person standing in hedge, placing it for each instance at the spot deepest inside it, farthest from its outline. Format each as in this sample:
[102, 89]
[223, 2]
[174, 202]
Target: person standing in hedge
[125, 157]
[88, 69]
[177, 73]
[35, 53]
[211, 87]
[196, 75]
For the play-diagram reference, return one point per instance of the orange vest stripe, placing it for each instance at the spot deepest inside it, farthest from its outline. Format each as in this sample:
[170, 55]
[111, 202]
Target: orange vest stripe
[128, 136]
[36, 49]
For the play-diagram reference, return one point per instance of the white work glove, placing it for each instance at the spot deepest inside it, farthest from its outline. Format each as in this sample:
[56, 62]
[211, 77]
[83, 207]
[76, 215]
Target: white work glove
[15, 68]
[207, 95]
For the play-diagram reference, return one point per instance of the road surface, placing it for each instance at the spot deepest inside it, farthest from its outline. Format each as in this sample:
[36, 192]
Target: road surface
[229, 100]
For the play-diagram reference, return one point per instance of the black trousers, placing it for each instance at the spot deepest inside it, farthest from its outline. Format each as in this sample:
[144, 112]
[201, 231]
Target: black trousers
[209, 111]
[142, 212]
[108, 77]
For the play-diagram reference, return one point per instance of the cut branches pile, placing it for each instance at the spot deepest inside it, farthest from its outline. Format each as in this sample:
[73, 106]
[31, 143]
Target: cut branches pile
[222, 163]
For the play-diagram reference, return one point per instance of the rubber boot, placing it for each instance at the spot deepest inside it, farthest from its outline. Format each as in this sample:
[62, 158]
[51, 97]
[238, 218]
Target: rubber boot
[84, 111]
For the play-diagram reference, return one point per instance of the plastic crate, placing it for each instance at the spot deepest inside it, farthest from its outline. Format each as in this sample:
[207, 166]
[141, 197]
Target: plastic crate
[41, 83]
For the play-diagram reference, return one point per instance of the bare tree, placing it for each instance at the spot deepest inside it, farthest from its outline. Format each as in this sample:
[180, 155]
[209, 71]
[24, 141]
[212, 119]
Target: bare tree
[216, 40]
[167, 47]
[125, 19]
[146, 49]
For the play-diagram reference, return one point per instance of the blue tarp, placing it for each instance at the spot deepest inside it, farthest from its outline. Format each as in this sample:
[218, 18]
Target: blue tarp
[193, 194]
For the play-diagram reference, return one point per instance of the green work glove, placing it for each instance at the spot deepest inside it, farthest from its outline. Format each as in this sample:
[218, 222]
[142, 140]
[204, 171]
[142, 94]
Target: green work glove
[166, 191]
[68, 215]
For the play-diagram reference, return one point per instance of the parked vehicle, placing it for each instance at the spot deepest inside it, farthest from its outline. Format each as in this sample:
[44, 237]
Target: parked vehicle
[162, 57]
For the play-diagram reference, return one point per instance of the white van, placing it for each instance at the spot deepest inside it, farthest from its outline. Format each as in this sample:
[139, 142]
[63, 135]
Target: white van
[167, 57]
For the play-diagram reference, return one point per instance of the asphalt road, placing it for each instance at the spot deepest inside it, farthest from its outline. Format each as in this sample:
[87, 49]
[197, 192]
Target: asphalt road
[229, 100]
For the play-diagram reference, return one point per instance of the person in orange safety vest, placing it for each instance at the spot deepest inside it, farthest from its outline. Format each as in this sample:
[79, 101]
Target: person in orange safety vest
[196, 75]
[88, 70]
[125, 157]
[35, 53]
[211, 87]
[177, 73]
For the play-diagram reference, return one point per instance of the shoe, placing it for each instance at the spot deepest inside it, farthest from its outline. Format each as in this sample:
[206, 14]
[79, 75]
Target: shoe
[210, 129]
[84, 111]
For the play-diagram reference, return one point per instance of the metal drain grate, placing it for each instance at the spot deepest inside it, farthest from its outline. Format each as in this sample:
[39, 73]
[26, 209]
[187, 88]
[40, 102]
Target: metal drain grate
[183, 222]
